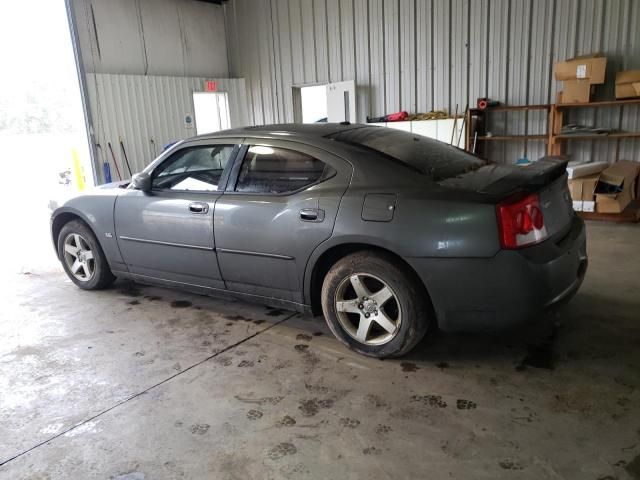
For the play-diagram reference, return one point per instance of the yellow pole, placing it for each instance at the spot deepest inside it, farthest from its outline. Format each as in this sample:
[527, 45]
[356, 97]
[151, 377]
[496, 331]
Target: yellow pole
[77, 169]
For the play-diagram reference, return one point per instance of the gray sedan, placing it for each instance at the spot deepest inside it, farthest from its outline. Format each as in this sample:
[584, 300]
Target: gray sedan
[388, 234]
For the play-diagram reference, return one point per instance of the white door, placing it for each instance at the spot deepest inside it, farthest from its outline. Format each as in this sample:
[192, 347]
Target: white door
[211, 111]
[313, 102]
[341, 101]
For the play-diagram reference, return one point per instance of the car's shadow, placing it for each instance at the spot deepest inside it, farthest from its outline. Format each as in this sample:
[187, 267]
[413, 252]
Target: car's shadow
[591, 326]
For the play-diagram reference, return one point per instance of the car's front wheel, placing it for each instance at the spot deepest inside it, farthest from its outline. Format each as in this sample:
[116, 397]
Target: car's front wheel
[82, 258]
[374, 306]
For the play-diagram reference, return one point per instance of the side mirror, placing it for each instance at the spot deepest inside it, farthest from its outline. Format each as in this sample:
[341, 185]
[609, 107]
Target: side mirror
[141, 181]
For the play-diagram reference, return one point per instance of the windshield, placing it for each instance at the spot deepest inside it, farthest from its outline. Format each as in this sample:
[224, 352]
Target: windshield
[429, 157]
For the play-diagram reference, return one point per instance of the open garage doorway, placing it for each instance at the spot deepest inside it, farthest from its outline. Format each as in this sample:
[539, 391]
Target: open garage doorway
[43, 138]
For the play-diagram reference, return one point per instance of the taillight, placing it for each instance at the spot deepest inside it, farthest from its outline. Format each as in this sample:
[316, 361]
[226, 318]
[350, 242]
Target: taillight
[521, 223]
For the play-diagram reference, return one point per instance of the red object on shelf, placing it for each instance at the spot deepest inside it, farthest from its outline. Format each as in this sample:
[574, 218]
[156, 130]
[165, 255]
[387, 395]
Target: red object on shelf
[484, 102]
[397, 117]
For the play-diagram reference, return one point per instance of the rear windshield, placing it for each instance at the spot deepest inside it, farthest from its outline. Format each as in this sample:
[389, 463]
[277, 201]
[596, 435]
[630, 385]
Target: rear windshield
[425, 155]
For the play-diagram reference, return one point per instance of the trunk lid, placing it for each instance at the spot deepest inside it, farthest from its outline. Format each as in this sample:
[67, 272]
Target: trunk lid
[557, 207]
[546, 177]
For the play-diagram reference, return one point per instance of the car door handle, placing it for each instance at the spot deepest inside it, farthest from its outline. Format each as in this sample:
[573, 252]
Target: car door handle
[312, 215]
[198, 207]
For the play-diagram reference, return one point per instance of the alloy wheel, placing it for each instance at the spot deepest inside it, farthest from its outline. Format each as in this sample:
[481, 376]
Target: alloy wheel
[368, 309]
[79, 257]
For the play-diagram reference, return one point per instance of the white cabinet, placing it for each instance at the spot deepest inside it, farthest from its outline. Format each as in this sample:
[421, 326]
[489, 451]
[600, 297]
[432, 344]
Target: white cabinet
[405, 126]
[426, 128]
[436, 129]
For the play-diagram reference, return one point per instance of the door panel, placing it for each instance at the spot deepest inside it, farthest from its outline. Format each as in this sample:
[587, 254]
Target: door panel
[341, 101]
[160, 235]
[263, 241]
[167, 233]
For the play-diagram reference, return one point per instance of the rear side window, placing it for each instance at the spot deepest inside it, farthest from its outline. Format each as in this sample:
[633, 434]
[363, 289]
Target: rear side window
[278, 170]
[424, 155]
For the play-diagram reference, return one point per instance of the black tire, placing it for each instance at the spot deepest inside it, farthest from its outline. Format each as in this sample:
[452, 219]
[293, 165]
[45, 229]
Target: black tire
[101, 277]
[410, 300]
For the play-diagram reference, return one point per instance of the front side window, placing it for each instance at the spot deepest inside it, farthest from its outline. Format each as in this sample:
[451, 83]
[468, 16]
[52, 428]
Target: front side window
[194, 168]
[278, 170]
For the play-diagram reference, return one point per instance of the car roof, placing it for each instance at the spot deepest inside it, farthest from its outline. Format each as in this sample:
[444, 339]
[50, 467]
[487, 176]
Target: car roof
[307, 131]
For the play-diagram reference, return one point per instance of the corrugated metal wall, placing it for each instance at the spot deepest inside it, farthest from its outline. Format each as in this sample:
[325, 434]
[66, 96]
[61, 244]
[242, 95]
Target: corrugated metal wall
[148, 112]
[151, 37]
[420, 55]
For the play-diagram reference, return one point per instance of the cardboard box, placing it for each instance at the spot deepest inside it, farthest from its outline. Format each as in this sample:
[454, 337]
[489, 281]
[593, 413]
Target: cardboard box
[577, 91]
[591, 67]
[582, 192]
[628, 84]
[614, 190]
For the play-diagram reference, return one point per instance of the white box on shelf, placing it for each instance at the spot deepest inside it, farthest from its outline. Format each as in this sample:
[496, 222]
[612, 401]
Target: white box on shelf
[405, 126]
[426, 128]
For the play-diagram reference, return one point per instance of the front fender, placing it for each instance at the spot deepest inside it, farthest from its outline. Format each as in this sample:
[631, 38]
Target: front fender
[97, 212]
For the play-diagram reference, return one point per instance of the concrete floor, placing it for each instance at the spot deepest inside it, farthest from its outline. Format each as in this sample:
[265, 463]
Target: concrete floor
[140, 383]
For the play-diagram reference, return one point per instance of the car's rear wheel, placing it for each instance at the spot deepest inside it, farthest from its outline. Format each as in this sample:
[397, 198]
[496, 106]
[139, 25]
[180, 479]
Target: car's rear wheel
[82, 258]
[373, 305]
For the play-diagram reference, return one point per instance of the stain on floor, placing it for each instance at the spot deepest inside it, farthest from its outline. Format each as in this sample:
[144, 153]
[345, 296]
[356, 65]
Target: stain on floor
[281, 450]
[409, 367]
[181, 304]
[199, 428]
[462, 404]
[633, 468]
[540, 355]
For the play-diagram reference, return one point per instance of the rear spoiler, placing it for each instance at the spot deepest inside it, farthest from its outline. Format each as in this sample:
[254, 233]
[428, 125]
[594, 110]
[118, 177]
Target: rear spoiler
[530, 177]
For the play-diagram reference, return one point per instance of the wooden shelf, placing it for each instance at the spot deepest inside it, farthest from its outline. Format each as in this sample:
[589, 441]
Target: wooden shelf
[477, 122]
[631, 214]
[506, 138]
[557, 140]
[513, 108]
[610, 136]
[606, 103]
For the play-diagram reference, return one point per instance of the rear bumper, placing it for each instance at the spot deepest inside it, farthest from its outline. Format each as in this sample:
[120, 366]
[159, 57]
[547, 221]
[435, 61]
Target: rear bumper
[511, 288]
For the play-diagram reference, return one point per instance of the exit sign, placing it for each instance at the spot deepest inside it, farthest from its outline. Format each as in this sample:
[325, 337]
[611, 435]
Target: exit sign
[211, 86]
